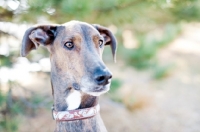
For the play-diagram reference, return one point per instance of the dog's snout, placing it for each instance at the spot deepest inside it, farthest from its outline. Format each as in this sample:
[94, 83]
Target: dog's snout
[102, 77]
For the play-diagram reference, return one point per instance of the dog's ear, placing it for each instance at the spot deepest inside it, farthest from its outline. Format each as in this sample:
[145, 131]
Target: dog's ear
[37, 35]
[109, 38]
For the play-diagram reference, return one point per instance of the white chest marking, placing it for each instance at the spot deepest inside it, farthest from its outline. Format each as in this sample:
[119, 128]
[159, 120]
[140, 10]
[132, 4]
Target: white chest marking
[73, 100]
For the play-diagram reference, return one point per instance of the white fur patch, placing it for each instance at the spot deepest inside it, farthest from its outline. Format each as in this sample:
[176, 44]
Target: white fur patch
[73, 100]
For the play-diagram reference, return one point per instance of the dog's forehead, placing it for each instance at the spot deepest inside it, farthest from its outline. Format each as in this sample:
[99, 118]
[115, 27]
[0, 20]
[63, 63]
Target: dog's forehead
[80, 27]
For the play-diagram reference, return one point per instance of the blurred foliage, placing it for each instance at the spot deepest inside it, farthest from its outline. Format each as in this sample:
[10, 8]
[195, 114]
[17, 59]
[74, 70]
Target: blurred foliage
[11, 107]
[115, 85]
[144, 55]
[140, 15]
[6, 15]
[8, 112]
[119, 12]
[113, 92]
[8, 60]
[5, 61]
[160, 72]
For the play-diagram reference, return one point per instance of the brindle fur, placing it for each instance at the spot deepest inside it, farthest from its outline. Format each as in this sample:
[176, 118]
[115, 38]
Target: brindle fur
[73, 69]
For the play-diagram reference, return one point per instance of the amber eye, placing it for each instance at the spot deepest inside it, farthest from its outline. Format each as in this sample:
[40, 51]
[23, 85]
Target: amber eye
[100, 43]
[69, 45]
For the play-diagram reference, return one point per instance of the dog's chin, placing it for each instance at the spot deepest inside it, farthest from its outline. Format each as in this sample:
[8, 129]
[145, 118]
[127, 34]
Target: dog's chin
[99, 90]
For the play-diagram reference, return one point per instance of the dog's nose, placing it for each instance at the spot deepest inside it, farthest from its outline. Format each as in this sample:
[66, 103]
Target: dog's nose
[102, 77]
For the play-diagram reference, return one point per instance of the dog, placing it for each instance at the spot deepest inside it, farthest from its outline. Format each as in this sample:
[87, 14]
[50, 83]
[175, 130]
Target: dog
[78, 74]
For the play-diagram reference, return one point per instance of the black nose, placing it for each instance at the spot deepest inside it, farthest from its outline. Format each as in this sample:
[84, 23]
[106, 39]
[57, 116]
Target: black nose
[102, 77]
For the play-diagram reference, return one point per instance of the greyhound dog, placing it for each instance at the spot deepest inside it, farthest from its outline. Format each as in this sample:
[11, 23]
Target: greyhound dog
[78, 74]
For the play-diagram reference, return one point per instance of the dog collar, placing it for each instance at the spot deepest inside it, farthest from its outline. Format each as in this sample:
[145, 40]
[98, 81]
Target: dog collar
[78, 114]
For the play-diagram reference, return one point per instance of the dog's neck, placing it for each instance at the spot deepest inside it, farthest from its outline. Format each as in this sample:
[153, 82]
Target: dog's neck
[93, 124]
[88, 101]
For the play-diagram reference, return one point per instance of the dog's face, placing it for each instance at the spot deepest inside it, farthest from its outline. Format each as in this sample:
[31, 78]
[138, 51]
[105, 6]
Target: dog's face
[76, 54]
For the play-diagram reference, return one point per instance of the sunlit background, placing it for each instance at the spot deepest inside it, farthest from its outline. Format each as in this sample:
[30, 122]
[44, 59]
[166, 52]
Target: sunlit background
[156, 80]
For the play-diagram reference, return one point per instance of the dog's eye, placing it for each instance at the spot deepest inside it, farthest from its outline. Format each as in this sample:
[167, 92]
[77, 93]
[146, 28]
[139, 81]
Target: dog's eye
[100, 43]
[69, 45]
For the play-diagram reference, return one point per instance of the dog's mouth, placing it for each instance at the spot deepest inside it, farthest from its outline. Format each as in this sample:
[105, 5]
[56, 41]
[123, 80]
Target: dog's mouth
[94, 89]
[98, 90]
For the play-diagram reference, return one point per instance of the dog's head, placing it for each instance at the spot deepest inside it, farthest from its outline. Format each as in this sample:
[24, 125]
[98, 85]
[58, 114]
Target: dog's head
[76, 54]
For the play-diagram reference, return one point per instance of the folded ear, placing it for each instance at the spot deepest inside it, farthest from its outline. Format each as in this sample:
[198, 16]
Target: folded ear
[37, 35]
[109, 38]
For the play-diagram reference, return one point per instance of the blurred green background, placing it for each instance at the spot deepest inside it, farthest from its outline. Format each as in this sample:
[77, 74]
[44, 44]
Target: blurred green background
[156, 84]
